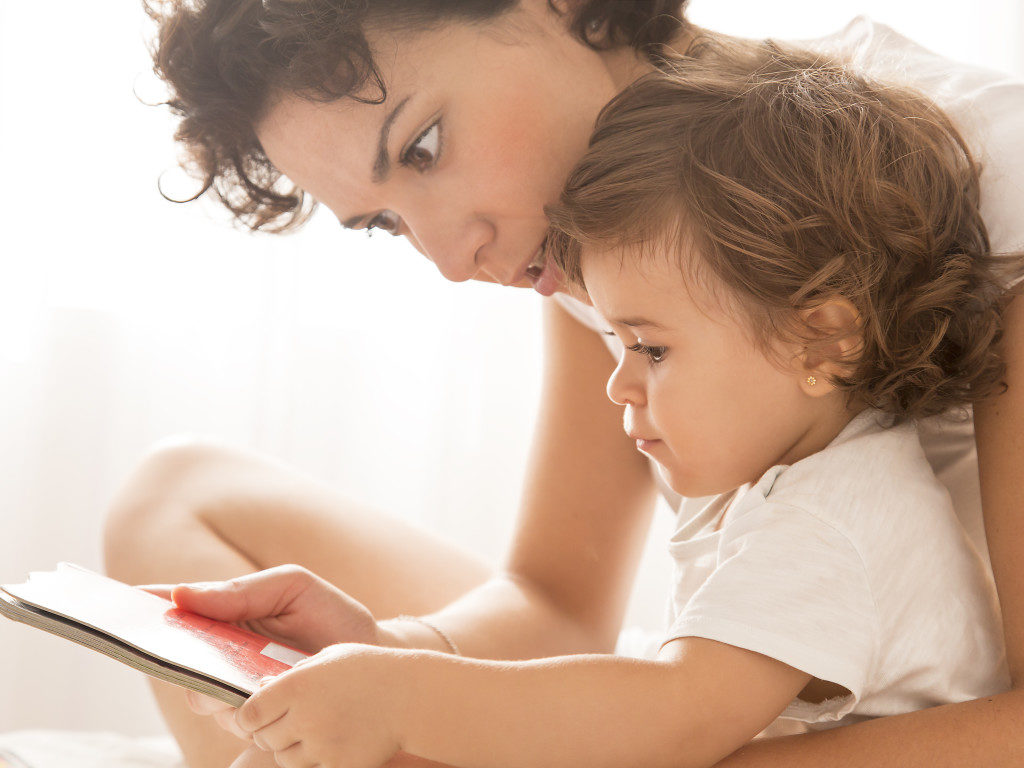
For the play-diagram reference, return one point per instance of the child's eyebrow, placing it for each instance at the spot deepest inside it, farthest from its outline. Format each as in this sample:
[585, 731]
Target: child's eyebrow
[639, 322]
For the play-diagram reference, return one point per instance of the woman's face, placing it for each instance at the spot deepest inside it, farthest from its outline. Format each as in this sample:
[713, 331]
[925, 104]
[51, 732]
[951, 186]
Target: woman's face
[481, 126]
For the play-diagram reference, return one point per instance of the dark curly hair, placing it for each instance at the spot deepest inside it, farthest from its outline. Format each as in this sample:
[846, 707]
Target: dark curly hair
[795, 180]
[222, 59]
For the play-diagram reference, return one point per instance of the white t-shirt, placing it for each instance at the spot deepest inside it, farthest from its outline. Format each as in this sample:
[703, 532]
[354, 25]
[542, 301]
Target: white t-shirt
[988, 108]
[849, 565]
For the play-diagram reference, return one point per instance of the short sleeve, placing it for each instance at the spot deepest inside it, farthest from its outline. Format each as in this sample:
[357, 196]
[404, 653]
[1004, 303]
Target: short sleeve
[790, 586]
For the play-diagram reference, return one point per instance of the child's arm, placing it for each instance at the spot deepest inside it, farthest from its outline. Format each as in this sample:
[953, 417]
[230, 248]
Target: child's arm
[356, 705]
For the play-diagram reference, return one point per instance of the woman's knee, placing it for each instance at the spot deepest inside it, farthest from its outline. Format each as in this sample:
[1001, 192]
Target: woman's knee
[164, 492]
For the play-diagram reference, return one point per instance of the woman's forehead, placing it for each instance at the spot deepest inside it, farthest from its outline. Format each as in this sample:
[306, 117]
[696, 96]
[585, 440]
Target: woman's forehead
[334, 150]
[410, 65]
[300, 136]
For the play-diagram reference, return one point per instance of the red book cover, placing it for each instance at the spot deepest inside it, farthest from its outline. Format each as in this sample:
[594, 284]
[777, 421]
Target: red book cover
[216, 650]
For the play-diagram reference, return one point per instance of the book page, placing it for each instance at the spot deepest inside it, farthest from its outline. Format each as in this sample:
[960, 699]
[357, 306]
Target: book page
[215, 649]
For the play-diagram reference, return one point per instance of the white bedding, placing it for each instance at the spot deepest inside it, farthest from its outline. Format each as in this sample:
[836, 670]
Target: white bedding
[87, 749]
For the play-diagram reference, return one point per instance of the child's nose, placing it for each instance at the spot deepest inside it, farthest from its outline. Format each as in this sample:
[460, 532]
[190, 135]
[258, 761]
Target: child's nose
[624, 388]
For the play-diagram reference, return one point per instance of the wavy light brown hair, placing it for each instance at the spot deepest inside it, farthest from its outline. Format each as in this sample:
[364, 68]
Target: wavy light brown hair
[224, 59]
[795, 180]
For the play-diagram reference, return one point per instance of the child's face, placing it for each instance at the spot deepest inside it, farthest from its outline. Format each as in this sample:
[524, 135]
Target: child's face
[701, 397]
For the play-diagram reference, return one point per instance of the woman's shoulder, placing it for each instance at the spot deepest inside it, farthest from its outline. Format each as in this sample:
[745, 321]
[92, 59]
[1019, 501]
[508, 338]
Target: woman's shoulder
[588, 317]
[584, 314]
[887, 54]
[987, 106]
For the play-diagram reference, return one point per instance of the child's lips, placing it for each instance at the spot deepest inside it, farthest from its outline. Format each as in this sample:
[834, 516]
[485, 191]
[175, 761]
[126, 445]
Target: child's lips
[644, 444]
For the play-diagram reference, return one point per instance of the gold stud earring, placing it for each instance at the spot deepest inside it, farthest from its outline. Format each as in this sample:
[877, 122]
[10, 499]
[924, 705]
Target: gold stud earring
[811, 381]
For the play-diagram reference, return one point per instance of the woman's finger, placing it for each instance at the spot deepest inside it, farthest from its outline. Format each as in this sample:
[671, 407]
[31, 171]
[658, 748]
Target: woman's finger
[160, 590]
[253, 596]
[202, 704]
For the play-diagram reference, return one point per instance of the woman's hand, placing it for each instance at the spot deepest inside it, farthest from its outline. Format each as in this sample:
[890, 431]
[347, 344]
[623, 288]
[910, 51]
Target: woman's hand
[287, 604]
[339, 707]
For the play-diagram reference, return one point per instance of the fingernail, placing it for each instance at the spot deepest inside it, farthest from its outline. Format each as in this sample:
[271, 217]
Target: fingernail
[203, 586]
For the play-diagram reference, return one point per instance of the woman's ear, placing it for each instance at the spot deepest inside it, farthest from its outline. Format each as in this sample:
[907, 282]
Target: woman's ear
[833, 328]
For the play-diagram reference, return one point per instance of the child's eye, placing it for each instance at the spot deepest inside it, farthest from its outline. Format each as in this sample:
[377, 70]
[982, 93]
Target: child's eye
[656, 354]
[423, 153]
[385, 220]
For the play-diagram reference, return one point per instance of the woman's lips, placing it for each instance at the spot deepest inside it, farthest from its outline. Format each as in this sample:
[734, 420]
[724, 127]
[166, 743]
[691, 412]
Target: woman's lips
[546, 276]
[543, 274]
[536, 265]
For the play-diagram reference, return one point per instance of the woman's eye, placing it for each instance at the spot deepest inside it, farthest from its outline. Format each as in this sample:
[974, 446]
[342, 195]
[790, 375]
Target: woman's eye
[422, 154]
[385, 220]
[656, 354]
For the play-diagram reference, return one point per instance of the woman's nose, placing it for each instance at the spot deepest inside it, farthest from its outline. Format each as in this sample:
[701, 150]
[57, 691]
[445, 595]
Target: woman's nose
[624, 386]
[456, 249]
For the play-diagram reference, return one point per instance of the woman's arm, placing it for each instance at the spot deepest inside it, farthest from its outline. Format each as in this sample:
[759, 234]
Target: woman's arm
[999, 432]
[987, 732]
[585, 511]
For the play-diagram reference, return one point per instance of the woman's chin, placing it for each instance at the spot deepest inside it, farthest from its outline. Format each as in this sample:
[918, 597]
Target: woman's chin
[576, 292]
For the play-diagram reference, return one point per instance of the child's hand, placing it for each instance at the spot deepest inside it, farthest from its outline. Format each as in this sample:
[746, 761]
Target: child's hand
[223, 714]
[338, 707]
[287, 604]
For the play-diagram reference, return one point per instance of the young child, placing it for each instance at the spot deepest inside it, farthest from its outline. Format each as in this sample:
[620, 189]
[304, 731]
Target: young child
[795, 266]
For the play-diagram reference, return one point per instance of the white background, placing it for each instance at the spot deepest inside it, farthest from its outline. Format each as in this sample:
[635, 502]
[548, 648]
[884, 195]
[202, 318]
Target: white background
[124, 318]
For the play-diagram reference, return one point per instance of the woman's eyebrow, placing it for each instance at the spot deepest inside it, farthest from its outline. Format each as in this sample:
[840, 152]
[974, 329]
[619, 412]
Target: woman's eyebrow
[382, 164]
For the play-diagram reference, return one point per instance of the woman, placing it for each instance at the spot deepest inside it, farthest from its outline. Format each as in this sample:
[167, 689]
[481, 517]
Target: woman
[465, 119]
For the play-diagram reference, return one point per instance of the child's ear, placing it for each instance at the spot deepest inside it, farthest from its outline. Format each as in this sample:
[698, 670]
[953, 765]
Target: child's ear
[834, 330]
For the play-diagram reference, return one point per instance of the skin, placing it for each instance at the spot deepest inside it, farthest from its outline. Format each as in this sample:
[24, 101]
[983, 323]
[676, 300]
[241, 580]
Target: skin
[684, 381]
[564, 584]
[695, 704]
[700, 700]
[472, 199]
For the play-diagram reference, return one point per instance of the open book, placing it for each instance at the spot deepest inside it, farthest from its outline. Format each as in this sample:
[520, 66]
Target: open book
[147, 632]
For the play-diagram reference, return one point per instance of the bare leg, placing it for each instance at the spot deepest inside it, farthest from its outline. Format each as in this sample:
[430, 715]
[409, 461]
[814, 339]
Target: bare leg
[198, 512]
